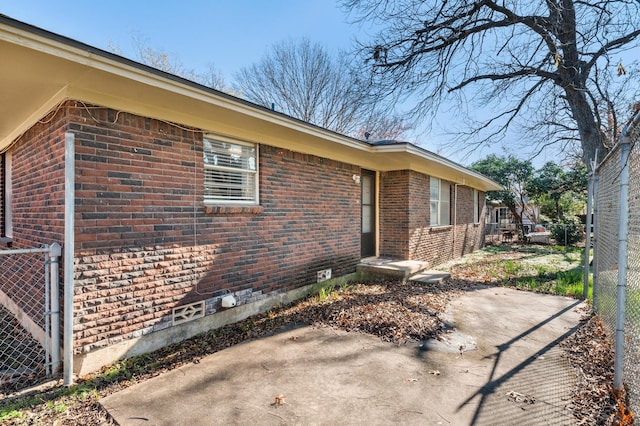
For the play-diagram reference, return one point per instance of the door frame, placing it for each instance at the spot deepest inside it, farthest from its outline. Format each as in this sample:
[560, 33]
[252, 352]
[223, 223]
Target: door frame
[369, 240]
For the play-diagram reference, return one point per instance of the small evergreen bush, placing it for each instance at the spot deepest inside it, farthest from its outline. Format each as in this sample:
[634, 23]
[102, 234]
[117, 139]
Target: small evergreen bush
[573, 232]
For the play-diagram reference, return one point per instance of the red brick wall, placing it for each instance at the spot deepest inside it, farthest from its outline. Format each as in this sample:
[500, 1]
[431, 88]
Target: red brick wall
[145, 242]
[37, 172]
[394, 214]
[405, 195]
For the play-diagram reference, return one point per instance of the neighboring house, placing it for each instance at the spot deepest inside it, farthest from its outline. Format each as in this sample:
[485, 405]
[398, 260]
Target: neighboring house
[501, 217]
[185, 195]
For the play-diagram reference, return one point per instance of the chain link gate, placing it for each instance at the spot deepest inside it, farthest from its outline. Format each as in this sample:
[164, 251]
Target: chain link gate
[29, 316]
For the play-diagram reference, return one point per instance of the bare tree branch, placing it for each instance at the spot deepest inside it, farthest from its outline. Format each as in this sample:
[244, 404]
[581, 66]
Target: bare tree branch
[302, 80]
[496, 51]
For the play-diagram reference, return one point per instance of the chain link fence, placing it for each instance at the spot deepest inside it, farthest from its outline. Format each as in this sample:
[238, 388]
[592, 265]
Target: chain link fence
[607, 218]
[607, 206]
[29, 320]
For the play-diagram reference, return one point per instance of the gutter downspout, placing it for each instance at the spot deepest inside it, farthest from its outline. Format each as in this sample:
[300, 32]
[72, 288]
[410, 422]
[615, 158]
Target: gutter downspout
[55, 251]
[69, 249]
[623, 237]
[455, 219]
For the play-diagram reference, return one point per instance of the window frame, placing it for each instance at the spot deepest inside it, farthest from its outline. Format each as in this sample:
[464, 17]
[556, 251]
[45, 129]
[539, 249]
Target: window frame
[500, 218]
[440, 202]
[250, 194]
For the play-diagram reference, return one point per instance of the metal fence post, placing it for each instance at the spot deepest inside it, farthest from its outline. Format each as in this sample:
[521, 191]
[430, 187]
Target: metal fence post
[623, 239]
[595, 289]
[55, 251]
[48, 347]
[587, 244]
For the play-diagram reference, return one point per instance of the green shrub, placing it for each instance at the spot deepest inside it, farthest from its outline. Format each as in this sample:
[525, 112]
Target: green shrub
[570, 229]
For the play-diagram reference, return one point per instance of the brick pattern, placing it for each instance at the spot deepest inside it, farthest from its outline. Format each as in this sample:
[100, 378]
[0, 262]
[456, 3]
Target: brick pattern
[37, 172]
[394, 214]
[405, 195]
[146, 243]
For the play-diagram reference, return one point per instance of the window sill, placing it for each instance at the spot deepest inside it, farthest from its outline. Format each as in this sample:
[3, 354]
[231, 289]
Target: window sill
[440, 228]
[230, 209]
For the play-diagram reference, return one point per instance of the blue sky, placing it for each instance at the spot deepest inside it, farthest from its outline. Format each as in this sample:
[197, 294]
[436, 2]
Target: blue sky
[230, 34]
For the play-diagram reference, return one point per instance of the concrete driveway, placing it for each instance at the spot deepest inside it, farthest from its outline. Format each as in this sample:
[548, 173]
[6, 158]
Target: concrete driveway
[510, 372]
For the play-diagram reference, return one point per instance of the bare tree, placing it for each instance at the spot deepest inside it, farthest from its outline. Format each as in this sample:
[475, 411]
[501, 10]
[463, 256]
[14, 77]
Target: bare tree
[212, 77]
[546, 64]
[381, 126]
[303, 80]
[171, 64]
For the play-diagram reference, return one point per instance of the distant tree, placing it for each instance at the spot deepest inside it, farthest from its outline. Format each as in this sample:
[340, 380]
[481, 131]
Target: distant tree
[553, 64]
[560, 192]
[301, 79]
[171, 64]
[213, 78]
[514, 175]
[379, 126]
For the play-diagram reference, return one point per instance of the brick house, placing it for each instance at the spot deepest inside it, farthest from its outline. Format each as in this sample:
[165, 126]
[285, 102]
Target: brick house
[183, 195]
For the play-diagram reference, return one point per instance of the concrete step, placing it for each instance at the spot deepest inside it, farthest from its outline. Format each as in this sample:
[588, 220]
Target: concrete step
[405, 270]
[430, 277]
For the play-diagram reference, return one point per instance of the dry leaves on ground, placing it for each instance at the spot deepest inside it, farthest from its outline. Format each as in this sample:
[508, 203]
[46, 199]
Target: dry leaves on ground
[590, 352]
[394, 311]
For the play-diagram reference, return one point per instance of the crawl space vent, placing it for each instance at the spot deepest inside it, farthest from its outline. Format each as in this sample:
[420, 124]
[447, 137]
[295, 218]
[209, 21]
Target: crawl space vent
[187, 313]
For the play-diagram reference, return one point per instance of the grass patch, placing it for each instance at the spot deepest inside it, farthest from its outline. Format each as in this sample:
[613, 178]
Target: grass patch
[325, 292]
[16, 410]
[542, 269]
[571, 283]
[512, 267]
[564, 283]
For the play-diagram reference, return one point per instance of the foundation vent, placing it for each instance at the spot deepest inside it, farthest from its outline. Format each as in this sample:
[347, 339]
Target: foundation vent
[187, 313]
[324, 275]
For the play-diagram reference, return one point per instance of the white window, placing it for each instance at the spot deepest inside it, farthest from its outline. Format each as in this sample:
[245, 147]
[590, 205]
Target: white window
[476, 207]
[230, 172]
[502, 216]
[439, 203]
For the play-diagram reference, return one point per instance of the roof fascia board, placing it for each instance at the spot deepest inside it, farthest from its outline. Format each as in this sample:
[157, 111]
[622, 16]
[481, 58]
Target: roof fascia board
[411, 149]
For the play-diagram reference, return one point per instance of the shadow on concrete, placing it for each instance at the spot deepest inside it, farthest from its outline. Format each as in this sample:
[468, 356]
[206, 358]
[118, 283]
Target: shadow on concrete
[536, 374]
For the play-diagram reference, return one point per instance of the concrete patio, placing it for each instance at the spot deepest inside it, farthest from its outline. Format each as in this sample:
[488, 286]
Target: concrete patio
[500, 365]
